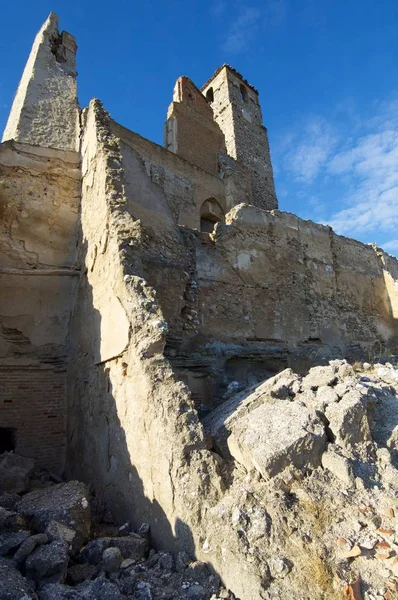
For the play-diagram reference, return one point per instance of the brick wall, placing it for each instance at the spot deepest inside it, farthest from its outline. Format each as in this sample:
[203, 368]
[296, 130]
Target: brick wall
[33, 402]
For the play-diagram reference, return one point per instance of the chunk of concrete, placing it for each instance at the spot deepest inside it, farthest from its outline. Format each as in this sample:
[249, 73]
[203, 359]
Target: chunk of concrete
[348, 420]
[15, 472]
[219, 422]
[10, 541]
[28, 546]
[277, 435]
[48, 563]
[383, 421]
[319, 377]
[59, 531]
[338, 465]
[66, 503]
[130, 546]
[13, 586]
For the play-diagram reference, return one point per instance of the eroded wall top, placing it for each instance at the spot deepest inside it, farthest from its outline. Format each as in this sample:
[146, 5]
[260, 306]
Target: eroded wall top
[45, 109]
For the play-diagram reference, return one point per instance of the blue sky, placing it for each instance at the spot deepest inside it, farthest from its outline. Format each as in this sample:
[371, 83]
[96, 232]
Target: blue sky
[326, 70]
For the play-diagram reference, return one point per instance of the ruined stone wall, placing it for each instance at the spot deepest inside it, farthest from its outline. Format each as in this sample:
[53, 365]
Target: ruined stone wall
[165, 189]
[133, 431]
[39, 211]
[240, 119]
[45, 109]
[273, 291]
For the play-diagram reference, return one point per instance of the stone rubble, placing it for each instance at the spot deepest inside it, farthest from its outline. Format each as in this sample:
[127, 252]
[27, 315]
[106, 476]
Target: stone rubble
[49, 549]
[310, 465]
[319, 455]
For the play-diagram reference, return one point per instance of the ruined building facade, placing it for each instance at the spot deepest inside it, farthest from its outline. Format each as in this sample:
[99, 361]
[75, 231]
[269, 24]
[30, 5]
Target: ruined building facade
[138, 282]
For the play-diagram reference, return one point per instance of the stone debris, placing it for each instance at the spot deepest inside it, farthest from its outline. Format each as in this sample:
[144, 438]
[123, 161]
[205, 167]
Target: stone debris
[320, 455]
[311, 498]
[62, 562]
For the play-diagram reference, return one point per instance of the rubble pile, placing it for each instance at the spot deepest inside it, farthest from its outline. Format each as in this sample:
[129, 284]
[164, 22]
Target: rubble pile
[52, 549]
[313, 477]
[309, 504]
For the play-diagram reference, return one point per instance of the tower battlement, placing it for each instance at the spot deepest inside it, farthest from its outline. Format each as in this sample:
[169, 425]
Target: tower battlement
[237, 111]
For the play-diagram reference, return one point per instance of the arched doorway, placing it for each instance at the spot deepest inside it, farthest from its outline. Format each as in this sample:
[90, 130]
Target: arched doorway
[210, 214]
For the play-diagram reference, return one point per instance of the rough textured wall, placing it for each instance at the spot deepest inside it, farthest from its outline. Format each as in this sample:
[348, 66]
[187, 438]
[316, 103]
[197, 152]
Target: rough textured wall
[39, 211]
[246, 138]
[163, 187]
[45, 110]
[33, 406]
[133, 430]
[272, 290]
[190, 130]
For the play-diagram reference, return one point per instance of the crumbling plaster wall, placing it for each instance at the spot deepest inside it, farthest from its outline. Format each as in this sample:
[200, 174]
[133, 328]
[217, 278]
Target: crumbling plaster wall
[300, 282]
[273, 290]
[185, 186]
[39, 212]
[129, 416]
[45, 111]
[266, 291]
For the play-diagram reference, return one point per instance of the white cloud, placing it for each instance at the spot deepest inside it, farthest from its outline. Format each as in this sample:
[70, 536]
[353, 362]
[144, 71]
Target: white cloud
[250, 19]
[362, 171]
[218, 7]
[242, 30]
[308, 150]
[391, 245]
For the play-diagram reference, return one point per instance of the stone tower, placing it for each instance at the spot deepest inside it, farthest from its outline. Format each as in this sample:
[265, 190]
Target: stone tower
[237, 111]
[45, 109]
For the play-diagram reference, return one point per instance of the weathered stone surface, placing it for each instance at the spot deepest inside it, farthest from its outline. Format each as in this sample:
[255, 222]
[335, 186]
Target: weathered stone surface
[58, 591]
[15, 472]
[28, 546]
[10, 520]
[13, 586]
[320, 377]
[48, 563]
[348, 420]
[100, 589]
[66, 503]
[131, 546]
[383, 421]
[219, 422]
[59, 531]
[338, 465]
[10, 541]
[45, 111]
[277, 435]
[111, 559]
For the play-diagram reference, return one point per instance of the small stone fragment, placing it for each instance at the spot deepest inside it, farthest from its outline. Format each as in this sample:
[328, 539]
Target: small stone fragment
[354, 552]
[28, 546]
[111, 560]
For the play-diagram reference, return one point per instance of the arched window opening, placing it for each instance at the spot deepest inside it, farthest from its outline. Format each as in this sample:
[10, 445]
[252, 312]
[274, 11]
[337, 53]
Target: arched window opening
[210, 95]
[243, 93]
[210, 214]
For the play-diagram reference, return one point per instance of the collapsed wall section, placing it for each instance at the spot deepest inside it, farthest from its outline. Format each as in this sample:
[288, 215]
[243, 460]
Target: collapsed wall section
[133, 431]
